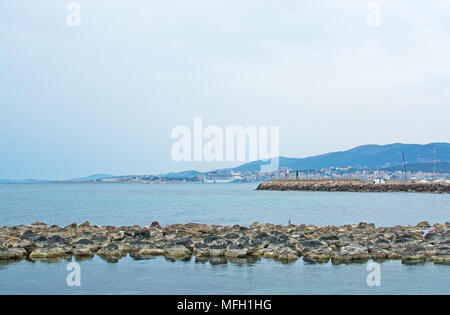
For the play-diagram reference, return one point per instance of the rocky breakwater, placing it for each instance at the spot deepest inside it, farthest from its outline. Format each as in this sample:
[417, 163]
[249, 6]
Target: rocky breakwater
[215, 243]
[440, 188]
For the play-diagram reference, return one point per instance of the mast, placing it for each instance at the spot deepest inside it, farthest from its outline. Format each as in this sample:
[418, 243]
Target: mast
[404, 167]
[434, 165]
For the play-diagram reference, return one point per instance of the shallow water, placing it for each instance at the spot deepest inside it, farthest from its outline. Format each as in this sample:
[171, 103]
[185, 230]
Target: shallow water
[228, 204]
[266, 276]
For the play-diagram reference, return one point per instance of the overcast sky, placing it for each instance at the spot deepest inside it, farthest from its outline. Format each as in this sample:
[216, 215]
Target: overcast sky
[104, 97]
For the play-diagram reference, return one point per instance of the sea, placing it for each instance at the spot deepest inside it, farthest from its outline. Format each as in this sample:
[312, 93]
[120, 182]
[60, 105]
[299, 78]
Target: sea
[225, 204]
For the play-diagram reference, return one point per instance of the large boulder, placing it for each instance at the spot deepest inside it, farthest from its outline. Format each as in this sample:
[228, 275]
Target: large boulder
[379, 254]
[177, 251]
[12, 253]
[350, 253]
[236, 251]
[423, 225]
[217, 250]
[49, 253]
[201, 249]
[321, 255]
[113, 252]
[287, 254]
[441, 258]
[83, 252]
[414, 254]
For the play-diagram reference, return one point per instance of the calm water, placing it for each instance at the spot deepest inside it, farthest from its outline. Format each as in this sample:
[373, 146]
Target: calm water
[127, 204]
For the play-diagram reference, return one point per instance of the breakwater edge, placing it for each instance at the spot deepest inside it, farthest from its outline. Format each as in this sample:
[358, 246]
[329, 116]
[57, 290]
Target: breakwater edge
[353, 186]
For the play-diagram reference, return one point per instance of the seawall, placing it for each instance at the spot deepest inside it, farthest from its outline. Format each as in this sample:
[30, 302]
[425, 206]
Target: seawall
[353, 186]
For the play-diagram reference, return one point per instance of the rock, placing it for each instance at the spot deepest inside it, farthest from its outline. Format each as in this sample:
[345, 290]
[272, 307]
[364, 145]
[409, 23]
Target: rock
[231, 236]
[56, 239]
[201, 250]
[28, 235]
[414, 254]
[217, 249]
[433, 236]
[379, 254]
[39, 225]
[330, 239]
[72, 226]
[28, 246]
[151, 252]
[39, 239]
[318, 256]
[12, 241]
[235, 251]
[186, 242]
[261, 236]
[120, 236]
[12, 253]
[210, 238]
[351, 253]
[381, 243]
[177, 251]
[313, 244]
[394, 255]
[83, 241]
[82, 252]
[441, 258]
[404, 238]
[287, 254]
[255, 225]
[146, 251]
[424, 225]
[142, 234]
[85, 224]
[48, 253]
[362, 225]
[113, 252]
[155, 225]
[239, 228]
[272, 251]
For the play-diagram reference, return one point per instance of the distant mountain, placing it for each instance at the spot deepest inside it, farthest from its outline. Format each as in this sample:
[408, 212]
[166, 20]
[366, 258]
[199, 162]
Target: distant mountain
[92, 177]
[374, 157]
[364, 157]
[439, 167]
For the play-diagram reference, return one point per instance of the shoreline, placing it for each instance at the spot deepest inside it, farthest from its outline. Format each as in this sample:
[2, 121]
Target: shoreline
[353, 186]
[345, 244]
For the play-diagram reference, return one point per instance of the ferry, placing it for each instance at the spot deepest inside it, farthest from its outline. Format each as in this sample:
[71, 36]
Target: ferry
[217, 178]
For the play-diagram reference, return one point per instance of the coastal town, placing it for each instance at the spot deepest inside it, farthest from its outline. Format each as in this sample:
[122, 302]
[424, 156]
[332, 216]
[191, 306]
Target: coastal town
[420, 175]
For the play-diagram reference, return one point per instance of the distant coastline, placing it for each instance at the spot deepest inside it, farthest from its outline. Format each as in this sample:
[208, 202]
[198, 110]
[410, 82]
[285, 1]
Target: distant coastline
[424, 163]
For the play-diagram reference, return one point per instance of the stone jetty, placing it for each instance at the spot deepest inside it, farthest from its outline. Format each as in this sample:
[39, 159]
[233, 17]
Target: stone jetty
[215, 243]
[353, 186]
